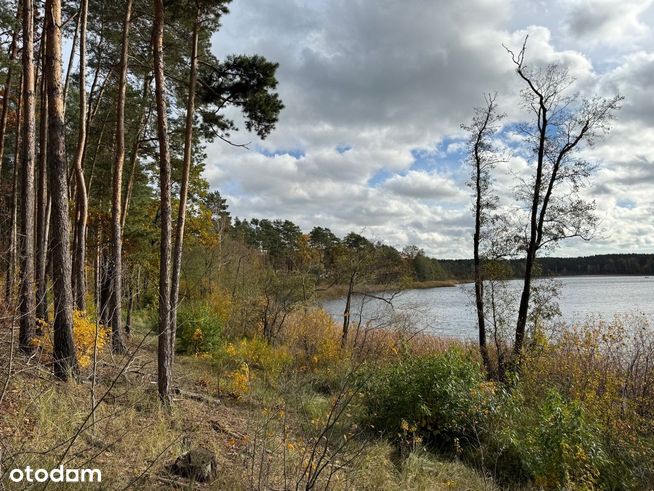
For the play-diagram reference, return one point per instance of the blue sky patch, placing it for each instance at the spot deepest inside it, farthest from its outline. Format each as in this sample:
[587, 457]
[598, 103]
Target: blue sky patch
[296, 153]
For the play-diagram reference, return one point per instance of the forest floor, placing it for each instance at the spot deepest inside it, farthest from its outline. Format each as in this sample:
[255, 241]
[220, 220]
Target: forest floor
[45, 423]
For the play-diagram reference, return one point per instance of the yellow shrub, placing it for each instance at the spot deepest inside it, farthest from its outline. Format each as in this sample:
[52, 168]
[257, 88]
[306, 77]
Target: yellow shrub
[220, 302]
[84, 336]
[314, 338]
[239, 381]
[257, 353]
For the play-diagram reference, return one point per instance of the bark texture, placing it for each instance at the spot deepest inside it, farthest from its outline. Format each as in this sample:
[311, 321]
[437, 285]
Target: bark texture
[27, 298]
[65, 361]
[164, 349]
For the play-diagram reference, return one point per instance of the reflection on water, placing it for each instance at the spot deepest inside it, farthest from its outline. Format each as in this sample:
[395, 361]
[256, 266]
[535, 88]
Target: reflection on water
[450, 311]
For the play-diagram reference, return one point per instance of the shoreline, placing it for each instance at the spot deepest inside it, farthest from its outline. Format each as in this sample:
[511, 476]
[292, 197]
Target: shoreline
[338, 291]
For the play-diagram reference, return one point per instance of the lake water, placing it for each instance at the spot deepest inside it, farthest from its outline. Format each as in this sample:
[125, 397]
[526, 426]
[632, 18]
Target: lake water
[450, 311]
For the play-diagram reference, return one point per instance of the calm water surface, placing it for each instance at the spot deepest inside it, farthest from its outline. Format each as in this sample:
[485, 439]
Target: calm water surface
[450, 311]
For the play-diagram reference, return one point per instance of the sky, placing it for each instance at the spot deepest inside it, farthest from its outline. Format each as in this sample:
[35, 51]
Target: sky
[375, 93]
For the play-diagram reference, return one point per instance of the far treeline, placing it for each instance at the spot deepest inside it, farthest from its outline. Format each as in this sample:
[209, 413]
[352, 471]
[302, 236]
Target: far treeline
[285, 244]
[602, 264]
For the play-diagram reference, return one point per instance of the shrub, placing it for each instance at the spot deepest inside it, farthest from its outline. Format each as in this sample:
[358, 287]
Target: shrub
[200, 324]
[84, 336]
[433, 396]
[554, 442]
[255, 353]
[314, 339]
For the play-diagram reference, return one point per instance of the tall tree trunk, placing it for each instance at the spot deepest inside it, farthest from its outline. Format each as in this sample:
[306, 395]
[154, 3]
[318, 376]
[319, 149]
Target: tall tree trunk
[65, 360]
[71, 59]
[79, 258]
[27, 302]
[13, 230]
[13, 52]
[183, 193]
[133, 158]
[532, 245]
[42, 199]
[163, 352]
[118, 342]
[479, 203]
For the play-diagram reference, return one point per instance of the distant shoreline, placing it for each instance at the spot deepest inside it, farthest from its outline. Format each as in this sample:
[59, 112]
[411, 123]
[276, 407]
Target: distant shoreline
[338, 291]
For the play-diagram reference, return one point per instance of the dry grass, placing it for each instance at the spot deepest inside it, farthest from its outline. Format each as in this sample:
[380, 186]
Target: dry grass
[133, 440]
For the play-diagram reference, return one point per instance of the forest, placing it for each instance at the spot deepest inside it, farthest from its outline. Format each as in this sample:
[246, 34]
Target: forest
[151, 340]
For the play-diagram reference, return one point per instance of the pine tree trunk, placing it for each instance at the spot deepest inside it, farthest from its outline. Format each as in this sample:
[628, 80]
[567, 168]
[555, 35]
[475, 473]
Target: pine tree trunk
[27, 304]
[42, 200]
[13, 52]
[183, 194]
[65, 361]
[118, 342]
[164, 354]
[79, 257]
[11, 271]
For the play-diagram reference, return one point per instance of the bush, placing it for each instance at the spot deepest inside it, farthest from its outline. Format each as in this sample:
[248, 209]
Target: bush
[314, 339]
[254, 353]
[432, 396]
[554, 443]
[84, 337]
[200, 324]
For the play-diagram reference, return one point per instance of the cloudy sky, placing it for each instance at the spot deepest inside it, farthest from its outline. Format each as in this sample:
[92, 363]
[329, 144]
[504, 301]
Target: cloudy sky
[376, 90]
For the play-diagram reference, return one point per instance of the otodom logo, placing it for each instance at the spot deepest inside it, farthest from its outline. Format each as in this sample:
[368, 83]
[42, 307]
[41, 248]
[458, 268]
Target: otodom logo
[58, 474]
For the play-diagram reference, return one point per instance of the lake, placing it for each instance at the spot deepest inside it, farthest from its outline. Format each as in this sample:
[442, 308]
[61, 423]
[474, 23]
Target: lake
[450, 311]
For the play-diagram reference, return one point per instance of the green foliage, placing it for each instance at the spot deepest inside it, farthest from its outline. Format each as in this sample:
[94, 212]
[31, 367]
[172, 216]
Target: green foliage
[554, 442]
[200, 328]
[429, 395]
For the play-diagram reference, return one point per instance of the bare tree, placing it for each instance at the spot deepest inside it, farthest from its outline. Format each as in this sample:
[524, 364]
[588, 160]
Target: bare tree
[118, 342]
[482, 157]
[164, 348]
[562, 124]
[65, 361]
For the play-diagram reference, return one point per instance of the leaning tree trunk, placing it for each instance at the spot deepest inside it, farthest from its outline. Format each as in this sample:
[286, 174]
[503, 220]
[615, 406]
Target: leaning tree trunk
[79, 257]
[164, 352]
[65, 361]
[183, 193]
[118, 342]
[42, 200]
[27, 296]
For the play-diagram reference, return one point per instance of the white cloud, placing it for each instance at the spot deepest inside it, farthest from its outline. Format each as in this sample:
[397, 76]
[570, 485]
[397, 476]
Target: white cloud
[608, 22]
[384, 78]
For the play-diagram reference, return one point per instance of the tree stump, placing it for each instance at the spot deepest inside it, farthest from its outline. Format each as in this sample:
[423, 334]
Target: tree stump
[199, 465]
